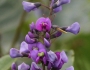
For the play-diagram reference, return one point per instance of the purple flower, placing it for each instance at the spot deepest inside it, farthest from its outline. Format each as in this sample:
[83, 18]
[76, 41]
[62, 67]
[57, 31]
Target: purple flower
[34, 66]
[13, 67]
[28, 6]
[58, 59]
[46, 43]
[23, 52]
[62, 57]
[29, 40]
[70, 68]
[43, 24]
[23, 66]
[24, 47]
[15, 53]
[37, 52]
[74, 28]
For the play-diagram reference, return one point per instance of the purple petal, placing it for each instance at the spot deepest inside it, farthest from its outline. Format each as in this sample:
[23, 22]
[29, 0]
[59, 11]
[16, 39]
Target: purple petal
[58, 9]
[40, 45]
[52, 3]
[52, 56]
[47, 43]
[58, 61]
[61, 64]
[65, 2]
[23, 66]
[38, 59]
[58, 54]
[29, 40]
[13, 67]
[49, 66]
[24, 47]
[15, 53]
[70, 68]
[34, 66]
[31, 46]
[74, 28]
[42, 50]
[48, 21]
[39, 23]
[64, 57]
[31, 35]
[44, 60]
[28, 6]
[34, 54]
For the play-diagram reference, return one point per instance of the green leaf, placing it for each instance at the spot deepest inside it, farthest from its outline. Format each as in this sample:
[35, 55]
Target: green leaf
[81, 47]
[5, 62]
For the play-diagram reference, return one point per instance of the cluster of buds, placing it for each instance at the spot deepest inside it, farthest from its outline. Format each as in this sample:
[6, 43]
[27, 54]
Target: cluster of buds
[36, 45]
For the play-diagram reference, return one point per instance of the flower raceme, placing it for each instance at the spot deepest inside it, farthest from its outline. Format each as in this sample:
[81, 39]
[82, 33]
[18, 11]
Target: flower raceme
[37, 43]
[39, 52]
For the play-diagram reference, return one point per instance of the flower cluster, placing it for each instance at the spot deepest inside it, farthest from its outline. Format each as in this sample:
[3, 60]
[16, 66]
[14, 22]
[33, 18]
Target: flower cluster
[36, 45]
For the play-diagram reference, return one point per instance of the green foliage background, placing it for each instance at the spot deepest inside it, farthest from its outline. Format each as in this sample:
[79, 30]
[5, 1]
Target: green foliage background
[77, 47]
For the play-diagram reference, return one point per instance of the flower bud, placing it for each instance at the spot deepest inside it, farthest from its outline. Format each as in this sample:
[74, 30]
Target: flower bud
[74, 28]
[31, 35]
[28, 6]
[46, 43]
[15, 53]
[29, 40]
[32, 26]
[60, 2]
[13, 67]
[56, 34]
[58, 9]
[47, 36]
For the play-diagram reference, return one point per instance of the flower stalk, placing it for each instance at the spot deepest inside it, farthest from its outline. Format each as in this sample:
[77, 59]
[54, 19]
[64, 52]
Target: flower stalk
[38, 40]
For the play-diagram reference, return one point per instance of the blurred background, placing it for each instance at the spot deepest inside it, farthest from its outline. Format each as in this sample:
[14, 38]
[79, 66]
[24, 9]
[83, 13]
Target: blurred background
[14, 25]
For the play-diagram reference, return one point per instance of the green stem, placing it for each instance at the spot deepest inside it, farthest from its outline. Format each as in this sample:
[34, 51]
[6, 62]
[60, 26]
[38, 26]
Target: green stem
[43, 66]
[45, 6]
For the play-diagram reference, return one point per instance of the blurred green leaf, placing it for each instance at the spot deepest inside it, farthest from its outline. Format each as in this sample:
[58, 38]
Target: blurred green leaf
[5, 62]
[81, 47]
